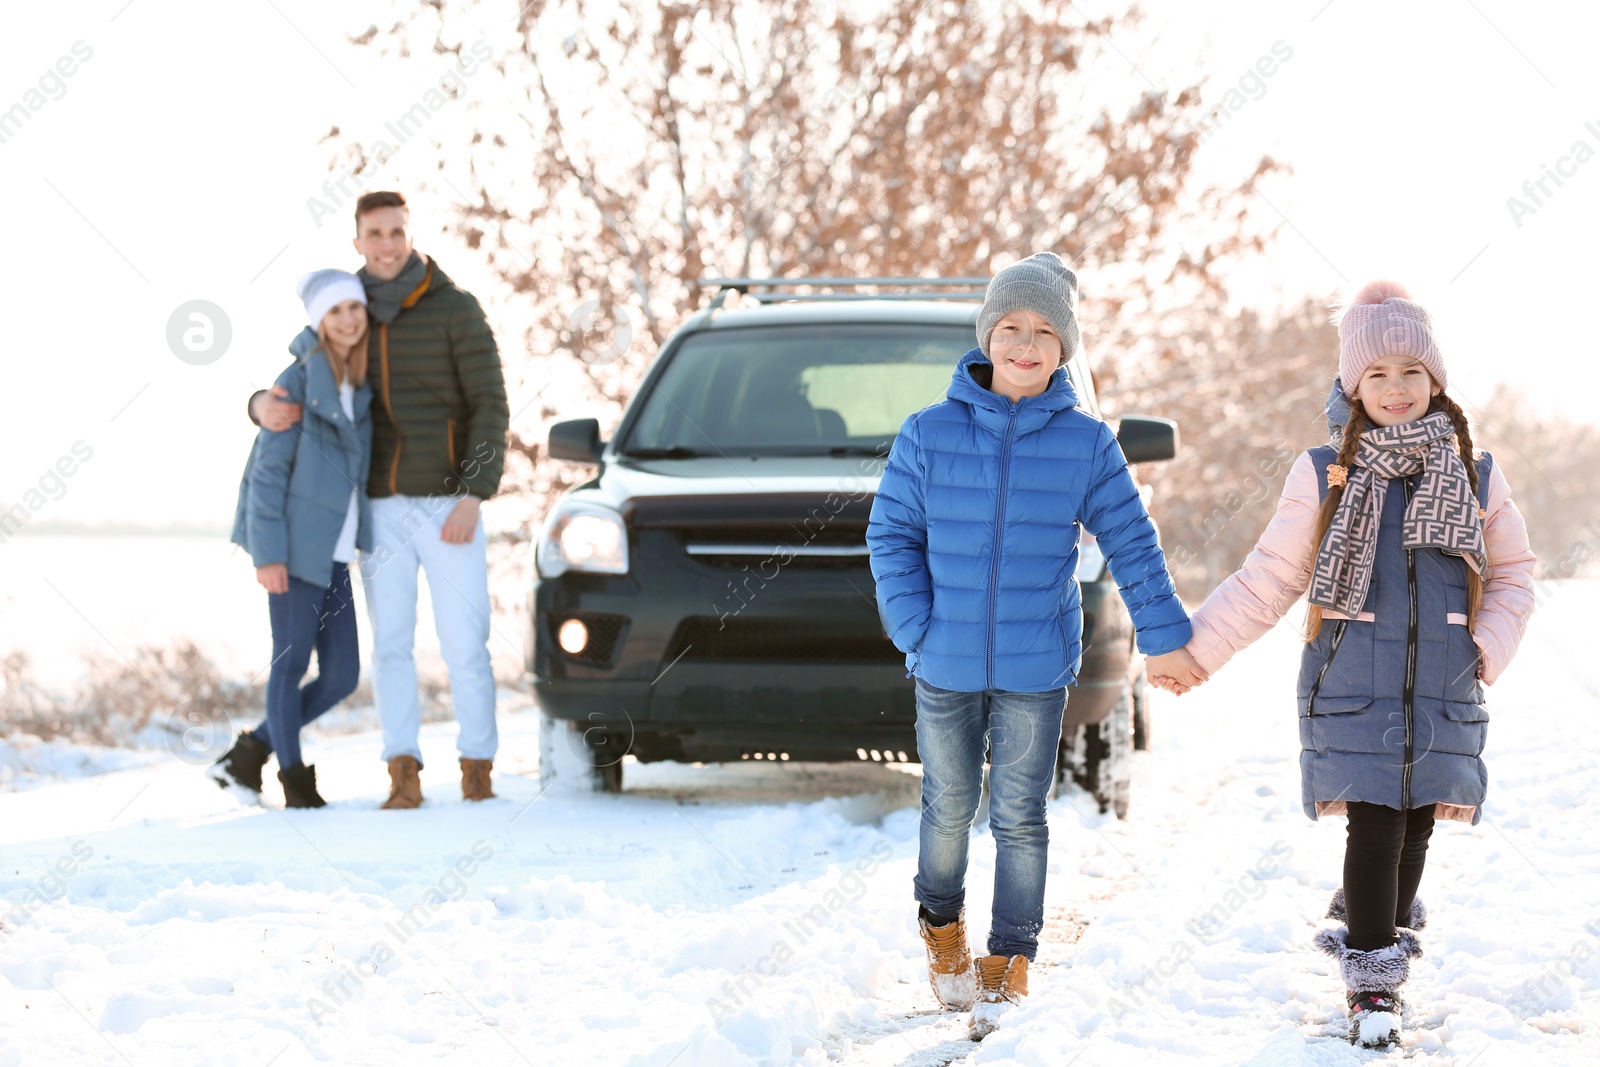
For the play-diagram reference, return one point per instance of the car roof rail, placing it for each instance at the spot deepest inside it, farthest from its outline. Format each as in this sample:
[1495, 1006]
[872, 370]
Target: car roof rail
[775, 290]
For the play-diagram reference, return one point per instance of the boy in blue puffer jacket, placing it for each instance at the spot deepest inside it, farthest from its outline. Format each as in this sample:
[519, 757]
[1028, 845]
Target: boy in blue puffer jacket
[974, 541]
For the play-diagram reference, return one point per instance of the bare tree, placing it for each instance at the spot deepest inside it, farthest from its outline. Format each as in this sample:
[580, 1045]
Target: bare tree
[650, 144]
[1553, 465]
[1247, 392]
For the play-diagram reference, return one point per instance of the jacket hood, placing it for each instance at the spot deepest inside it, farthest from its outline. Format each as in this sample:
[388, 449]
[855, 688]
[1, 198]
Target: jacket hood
[305, 342]
[1337, 409]
[974, 373]
[440, 279]
[317, 374]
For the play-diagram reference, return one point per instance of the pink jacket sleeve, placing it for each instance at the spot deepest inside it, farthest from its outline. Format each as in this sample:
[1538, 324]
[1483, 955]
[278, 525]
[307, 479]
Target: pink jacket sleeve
[1275, 574]
[1277, 571]
[1508, 582]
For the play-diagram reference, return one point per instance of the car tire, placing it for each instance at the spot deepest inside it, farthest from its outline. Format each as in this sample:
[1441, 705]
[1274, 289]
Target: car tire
[1141, 711]
[576, 759]
[1099, 757]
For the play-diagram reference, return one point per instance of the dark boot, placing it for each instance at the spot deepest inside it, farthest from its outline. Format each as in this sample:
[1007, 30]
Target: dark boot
[300, 787]
[241, 765]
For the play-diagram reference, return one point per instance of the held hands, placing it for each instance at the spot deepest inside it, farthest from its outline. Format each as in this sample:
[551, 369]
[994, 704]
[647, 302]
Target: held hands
[274, 577]
[1176, 672]
[272, 413]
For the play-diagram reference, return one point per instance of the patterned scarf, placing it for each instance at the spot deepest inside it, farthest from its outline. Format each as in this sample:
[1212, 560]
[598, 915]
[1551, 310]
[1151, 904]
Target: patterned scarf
[1442, 513]
[384, 297]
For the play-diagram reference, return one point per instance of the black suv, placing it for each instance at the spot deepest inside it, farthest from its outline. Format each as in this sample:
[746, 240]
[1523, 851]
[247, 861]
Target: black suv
[707, 596]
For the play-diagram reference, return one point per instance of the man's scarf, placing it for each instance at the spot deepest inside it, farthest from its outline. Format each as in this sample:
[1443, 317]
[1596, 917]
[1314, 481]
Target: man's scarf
[384, 297]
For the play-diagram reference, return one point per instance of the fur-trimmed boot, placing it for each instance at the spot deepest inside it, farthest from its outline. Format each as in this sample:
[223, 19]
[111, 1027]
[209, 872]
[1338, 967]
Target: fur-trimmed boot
[1419, 914]
[1372, 981]
[950, 970]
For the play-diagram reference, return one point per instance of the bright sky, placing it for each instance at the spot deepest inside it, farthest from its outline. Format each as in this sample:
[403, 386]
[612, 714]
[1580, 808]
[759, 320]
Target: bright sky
[175, 161]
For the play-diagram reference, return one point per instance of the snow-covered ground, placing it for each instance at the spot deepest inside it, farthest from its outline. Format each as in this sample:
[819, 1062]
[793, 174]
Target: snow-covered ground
[67, 598]
[761, 913]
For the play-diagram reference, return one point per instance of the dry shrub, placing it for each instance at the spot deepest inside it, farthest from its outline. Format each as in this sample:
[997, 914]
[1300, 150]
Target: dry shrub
[153, 695]
[121, 698]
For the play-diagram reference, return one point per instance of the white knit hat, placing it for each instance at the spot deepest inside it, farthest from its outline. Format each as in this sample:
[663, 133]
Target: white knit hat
[321, 290]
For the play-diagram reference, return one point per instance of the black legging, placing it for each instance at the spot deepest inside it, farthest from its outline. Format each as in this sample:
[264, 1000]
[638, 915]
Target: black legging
[1383, 856]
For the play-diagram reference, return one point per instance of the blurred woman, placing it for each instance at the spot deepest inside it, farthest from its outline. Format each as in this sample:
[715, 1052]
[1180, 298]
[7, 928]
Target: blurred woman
[302, 515]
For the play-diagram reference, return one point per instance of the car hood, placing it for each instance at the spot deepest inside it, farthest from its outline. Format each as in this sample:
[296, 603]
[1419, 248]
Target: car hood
[625, 480]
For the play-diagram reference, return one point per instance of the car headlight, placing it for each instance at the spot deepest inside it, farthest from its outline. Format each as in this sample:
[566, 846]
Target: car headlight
[1091, 561]
[583, 537]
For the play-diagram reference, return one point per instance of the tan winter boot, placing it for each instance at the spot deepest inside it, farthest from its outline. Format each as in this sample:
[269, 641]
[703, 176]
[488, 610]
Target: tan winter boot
[1002, 982]
[405, 788]
[949, 963]
[475, 779]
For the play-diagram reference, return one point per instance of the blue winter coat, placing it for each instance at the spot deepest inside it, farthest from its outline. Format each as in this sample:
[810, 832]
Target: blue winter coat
[974, 537]
[295, 492]
[1391, 708]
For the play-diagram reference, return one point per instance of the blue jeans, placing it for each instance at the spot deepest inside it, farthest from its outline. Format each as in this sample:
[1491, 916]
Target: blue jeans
[1022, 732]
[307, 617]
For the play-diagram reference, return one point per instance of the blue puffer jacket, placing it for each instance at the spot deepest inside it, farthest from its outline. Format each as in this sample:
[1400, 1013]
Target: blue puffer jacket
[974, 538]
[1391, 708]
[295, 492]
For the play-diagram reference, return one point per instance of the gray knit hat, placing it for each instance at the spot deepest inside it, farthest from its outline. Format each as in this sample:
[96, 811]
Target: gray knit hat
[1042, 284]
[1380, 321]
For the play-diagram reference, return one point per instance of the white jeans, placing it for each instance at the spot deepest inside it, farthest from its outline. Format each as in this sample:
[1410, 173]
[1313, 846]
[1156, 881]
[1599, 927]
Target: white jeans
[405, 536]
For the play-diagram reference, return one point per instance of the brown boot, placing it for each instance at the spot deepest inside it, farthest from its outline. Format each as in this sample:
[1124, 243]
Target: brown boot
[405, 788]
[475, 779]
[1002, 982]
[949, 963]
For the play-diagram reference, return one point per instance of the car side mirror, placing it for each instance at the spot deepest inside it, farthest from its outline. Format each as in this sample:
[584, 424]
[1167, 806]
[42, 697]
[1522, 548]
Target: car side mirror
[577, 440]
[1147, 440]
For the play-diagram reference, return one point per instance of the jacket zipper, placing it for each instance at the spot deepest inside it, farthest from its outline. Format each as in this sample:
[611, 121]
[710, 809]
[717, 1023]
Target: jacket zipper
[1333, 650]
[1411, 670]
[383, 358]
[388, 405]
[450, 441]
[999, 533]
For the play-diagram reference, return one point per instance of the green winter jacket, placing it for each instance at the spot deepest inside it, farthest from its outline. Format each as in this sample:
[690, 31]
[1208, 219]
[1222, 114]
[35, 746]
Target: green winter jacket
[439, 412]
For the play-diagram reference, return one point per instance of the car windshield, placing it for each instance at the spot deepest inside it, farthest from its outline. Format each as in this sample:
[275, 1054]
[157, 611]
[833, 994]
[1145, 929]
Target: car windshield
[795, 390]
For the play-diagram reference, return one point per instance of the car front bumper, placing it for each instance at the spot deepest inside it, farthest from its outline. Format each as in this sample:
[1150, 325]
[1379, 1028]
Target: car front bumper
[693, 661]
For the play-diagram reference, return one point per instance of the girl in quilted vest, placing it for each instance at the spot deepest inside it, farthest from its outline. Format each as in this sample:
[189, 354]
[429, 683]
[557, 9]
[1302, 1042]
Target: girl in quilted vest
[1420, 586]
[974, 541]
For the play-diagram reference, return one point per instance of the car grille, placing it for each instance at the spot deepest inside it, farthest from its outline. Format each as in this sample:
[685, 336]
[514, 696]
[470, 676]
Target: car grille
[766, 549]
[808, 531]
[704, 638]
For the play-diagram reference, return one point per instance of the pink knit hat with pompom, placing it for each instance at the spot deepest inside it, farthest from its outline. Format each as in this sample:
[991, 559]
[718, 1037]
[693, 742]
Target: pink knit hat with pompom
[1381, 321]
